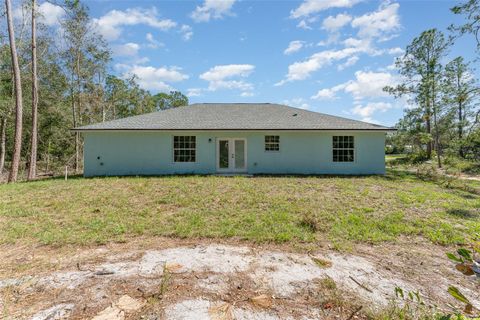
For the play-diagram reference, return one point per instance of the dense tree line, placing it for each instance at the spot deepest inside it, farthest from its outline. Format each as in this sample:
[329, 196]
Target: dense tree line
[54, 80]
[445, 117]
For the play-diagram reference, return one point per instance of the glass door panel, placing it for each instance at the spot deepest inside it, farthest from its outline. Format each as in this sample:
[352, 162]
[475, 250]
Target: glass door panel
[239, 154]
[223, 155]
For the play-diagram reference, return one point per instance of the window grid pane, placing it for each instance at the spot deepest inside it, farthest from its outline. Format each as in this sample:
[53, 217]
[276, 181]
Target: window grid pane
[184, 148]
[343, 149]
[272, 143]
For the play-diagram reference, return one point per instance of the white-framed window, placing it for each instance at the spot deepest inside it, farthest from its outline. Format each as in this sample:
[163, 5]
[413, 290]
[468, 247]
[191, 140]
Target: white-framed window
[184, 148]
[343, 149]
[272, 143]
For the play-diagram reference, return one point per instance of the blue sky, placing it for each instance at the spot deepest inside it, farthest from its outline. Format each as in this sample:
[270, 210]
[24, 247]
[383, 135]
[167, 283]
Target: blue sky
[331, 56]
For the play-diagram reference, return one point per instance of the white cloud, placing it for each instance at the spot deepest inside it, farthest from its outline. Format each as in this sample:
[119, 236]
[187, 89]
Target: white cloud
[218, 73]
[391, 66]
[363, 45]
[141, 60]
[309, 7]
[302, 70]
[333, 24]
[47, 13]
[368, 110]
[294, 46]
[396, 51]
[328, 94]
[186, 32]
[111, 24]
[230, 85]
[220, 77]
[297, 103]
[332, 38]
[367, 84]
[129, 49]
[304, 25]
[194, 92]
[152, 42]
[212, 9]
[325, 94]
[50, 14]
[155, 79]
[350, 62]
[379, 24]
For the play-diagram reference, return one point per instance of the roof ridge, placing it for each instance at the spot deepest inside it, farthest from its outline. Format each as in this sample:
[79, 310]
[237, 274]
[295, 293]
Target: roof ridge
[246, 115]
[232, 103]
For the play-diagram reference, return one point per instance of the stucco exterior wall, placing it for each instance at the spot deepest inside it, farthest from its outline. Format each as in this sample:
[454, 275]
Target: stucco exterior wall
[109, 153]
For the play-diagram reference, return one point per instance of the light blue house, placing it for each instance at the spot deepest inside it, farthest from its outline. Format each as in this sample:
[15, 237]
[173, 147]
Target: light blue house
[235, 138]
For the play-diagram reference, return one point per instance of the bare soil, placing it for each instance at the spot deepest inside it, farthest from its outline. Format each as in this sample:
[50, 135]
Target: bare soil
[163, 278]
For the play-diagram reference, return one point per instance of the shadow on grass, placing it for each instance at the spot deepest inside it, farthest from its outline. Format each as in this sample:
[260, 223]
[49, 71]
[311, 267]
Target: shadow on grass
[396, 175]
[463, 188]
[226, 176]
[469, 196]
[391, 175]
[462, 213]
[70, 177]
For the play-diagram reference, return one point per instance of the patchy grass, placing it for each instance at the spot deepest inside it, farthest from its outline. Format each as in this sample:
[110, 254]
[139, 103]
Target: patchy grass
[456, 165]
[394, 157]
[322, 263]
[450, 165]
[342, 210]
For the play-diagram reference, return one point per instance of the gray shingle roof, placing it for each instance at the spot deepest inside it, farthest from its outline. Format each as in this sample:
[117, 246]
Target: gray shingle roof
[234, 116]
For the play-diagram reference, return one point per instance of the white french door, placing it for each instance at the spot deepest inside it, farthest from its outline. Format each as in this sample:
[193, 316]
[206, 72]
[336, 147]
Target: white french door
[231, 155]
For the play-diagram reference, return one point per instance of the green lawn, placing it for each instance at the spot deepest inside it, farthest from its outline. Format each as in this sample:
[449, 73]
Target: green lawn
[342, 210]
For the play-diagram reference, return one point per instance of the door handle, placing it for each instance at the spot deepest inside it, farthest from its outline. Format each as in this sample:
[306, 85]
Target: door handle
[233, 156]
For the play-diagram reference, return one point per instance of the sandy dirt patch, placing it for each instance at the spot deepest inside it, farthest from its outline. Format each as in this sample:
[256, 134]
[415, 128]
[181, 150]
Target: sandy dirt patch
[220, 281]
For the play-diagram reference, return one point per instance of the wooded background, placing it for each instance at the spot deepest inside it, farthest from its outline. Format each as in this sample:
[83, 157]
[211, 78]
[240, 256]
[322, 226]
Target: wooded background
[64, 83]
[51, 82]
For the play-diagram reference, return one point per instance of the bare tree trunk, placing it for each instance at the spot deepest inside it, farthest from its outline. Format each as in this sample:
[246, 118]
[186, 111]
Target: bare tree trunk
[460, 129]
[47, 158]
[437, 134]
[437, 140]
[460, 120]
[429, 131]
[32, 170]
[79, 116]
[3, 139]
[17, 146]
[460, 96]
[460, 116]
[74, 115]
